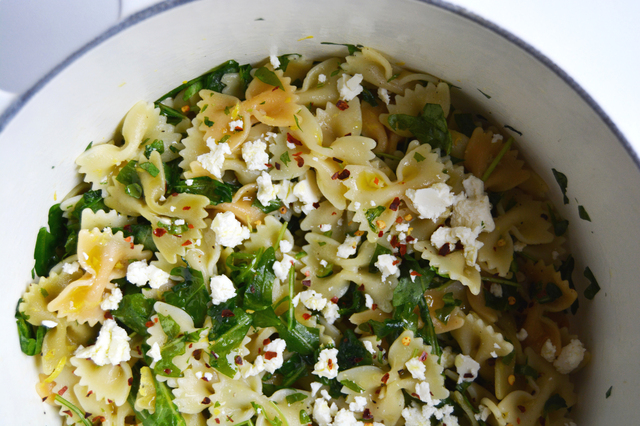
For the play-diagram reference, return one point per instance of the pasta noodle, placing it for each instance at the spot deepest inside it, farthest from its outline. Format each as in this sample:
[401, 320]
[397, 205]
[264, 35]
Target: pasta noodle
[296, 243]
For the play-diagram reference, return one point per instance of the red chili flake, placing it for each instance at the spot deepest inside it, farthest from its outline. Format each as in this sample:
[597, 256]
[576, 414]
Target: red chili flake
[415, 395]
[344, 174]
[159, 232]
[293, 140]
[87, 415]
[394, 242]
[99, 419]
[45, 398]
[468, 376]
[348, 134]
[62, 390]
[277, 166]
[415, 273]
[266, 341]
[190, 226]
[380, 234]
[300, 161]
[127, 228]
[459, 245]
[444, 250]
[206, 400]
[230, 419]
[330, 363]
[268, 165]
[306, 283]
[107, 315]
[342, 105]
[398, 219]
[376, 181]
[522, 408]
[68, 413]
[403, 249]
[374, 306]
[175, 194]
[226, 313]
[238, 360]
[197, 354]
[89, 394]
[395, 204]
[306, 316]
[270, 355]
[335, 175]
[186, 243]
[207, 365]
[167, 370]
[334, 299]
[423, 356]
[217, 420]
[395, 262]
[156, 320]
[275, 88]
[518, 420]
[130, 381]
[186, 208]
[366, 414]
[190, 345]
[385, 378]
[337, 160]
[128, 239]
[316, 205]
[361, 288]
[410, 238]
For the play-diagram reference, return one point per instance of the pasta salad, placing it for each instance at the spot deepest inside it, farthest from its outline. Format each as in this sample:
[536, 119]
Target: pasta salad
[305, 243]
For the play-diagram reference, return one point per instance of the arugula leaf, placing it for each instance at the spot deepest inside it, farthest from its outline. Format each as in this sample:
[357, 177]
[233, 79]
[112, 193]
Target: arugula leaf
[352, 302]
[301, 339]
[190, 295]
[295, 397]
[430, 126]
[128, 177]
[269, 77]
[526, 370]
[293, 369]
[90, 200]
[258, 292]
[583, 213]
[169, 326]
[142, 233]
[171, 349]
[353, 48]
[217, 192]
[350, 384]
[156, 145]
[555, 402]
[424, 277]
[284, 157]
[563, 182]
[450, 303]
[376, 253]
[273, 205]
[235, 329]
[548, 294]
[134, 311]
[593, 288]
[566, 273]
[369, 97]
[30, 336]
[352, 353]
[325, 271]
[560, 226]
[49, 245]
[75, 410]
[608, 394]
[172, 228]
[285, 59]
[428, 332]
[465, 123]
[167, 413]
[372, 214]
[174, 117]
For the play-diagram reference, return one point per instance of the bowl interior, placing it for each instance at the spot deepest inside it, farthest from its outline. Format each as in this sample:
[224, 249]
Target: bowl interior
[560, 129]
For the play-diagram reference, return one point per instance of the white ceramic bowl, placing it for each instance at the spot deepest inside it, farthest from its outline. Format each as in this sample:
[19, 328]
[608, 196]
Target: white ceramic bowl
[85, 98]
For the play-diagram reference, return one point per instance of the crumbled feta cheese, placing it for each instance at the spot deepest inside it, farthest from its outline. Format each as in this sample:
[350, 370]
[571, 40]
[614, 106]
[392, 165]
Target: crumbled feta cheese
[358, 405]
[179, 222]
[445, 235]
[255, 155]
[49, 324]
[229, 231]
[139, 273]
[285, 192]
[356, 205]
[157, 277]
[173, 209]
[271, 362]
[432, 202]
[322, 78]
[313, 300]
[349, 247]
[383, 94]
[369, 346]
[522, 335]
[570, 357]
[345, 417]
[322, 412]
[493, 354]
[325, 228]
[402, 227]
[447, 359]
[325, 395]
[315, 387]
[416, 368]
[267, 191]
[308, 194]
[423, 390]
[323, 263]
[548, 351]
[330, 312]
[70, 268]
[208, 376]
[496, 138]
[198, 375]
[518, 246]
[213, 160]
[327, 365]
[273, 58]
[349, 86]
[281, 268]
[222, 289]
[467, 368]
[473, 209]
[189, 182]
[111, 347]
[110, 301]
[285, 246]
[483, 414]
[237, 125]
[387, 264]
[368, 301]
[155, 354]
[496, 289]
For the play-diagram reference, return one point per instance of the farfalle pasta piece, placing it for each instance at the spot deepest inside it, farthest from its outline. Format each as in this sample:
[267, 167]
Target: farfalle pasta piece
[338, 122]
[233, 400]
[104, 257]
[223, 117]
[192, 392]
[108, 382]
[272, 107]
[319, 93]
[100, 219]
[266, 235]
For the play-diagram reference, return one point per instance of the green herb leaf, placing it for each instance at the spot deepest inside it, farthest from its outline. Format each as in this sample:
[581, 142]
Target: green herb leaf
[156, 145]
[30, 336]
[368, 96]
[284, 157]
[352, 302]
[169, 326]
[430, 126]
[174, 117]
[75, 410]
[171, 349]
[190, 295]
[208, 122]
[593, 288]
[566, 273]
[285, 59]
[150, 168]
[269, 77]
[562, 180]
[428, 332]
[560, 225]
[465, 123]
[325, 271]
[295, 397]
[172, 228]
[485, 95]
[301, 339]
[352, 353]
[273, 205]
[258, 292]
[549, 294]
[142, 233]
[555, 402]
[293, 369]
[217, 192]
[374, 259]
[506, 126]
[353, 48]
[229, 337]
[450, 303]
[134, 311]
[49, 245]
[608, 394]
[372, 214]
[167, 413]
[526, 370]
[496, 161]
[583, 213]
[350, 384]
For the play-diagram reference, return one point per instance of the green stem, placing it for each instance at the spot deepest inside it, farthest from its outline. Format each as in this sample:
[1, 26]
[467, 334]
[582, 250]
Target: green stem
[280, 235]
[78, 412]
[500, 281]
[292, 280]
[496, 160]
[392, 157]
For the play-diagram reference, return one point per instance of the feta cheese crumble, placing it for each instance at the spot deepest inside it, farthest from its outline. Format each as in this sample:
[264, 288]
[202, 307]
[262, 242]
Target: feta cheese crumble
[416, 368]
[285, 192]
[70, 268]
[267, 191]
[548, 351]
[445, 235]
[383, 94]
[358, 405]
[327, 365]
[281, 268]
[467, 368]
[313, 300]
[349, 86]
[154, 353]
[213, 160]
[368, 301]
[330, 312]
[111, 347]
[139, 273]
[255, 155]
[222, 289]
[49, 324]
[325, 227]
[308, 194]
[110, 301]
[322, 78]
[522, 335]
[237, 125]
[570, 357]
[285, 246]
[322, 412]
[387, 264]
[272, 354]
[432, 202]
[423, 390]
[496, 289]
[349, 247]
[229, 231]
[473, 209]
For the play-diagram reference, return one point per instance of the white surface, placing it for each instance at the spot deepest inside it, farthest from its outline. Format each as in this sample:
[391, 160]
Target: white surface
[595, 42]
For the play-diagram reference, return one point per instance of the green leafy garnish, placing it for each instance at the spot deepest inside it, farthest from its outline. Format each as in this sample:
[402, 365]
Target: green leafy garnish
[285, 59]
[485, 95]
[583, 213]
[450, 303]
[208, 122]
[142, 233]
[372, 214]
[376, 253]
[166, 413]
[172, 228]
[350, 384]
[555, 402]
[293, 369]
[31, 336]
[228, 336]
[156, 145]
[269, 77]
[325, 271]
[150, 168]
[369, 97]
[608, 394]
[284, 157]
[75, 410]
[134, 311]
[301, 339]
[352, 353]
[174, 117]
[549, 294]
[430, 126]
[128, 176]
[418, 157]
[560, 225]
[295, 397]
[506, 126]
[526, 370]
[465, 123]
[217, 192]
[190, 295]
[273, 205]
[49, 244]
[353, 48]
[496, 160]
[593, 288]
[562, 180]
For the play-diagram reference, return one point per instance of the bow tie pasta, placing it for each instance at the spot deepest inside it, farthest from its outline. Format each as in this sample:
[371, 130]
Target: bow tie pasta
[302, 242]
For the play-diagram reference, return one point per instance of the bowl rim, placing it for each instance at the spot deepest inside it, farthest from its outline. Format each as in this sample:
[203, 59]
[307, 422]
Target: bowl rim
[15, 107]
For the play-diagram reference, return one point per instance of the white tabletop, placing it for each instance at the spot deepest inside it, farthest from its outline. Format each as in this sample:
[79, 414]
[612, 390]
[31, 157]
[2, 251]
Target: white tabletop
[595, 42]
